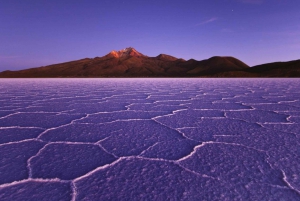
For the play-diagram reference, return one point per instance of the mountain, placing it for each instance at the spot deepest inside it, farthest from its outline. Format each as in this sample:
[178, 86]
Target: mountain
[131, 63]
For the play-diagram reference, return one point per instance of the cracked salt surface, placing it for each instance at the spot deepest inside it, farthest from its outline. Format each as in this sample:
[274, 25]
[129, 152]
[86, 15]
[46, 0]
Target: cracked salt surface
[149, 139]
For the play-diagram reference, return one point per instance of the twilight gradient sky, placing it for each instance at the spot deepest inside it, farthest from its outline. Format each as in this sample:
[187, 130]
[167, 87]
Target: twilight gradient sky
[34, 33]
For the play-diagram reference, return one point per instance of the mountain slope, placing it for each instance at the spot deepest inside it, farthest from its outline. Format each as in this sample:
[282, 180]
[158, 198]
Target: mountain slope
[276, 69]
[131, 63]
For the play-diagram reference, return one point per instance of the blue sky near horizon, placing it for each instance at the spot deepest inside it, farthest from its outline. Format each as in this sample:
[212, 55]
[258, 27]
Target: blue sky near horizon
[35, 33]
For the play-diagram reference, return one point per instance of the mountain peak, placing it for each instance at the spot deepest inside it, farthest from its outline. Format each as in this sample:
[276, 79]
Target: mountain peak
[127, 52]
[166, 57]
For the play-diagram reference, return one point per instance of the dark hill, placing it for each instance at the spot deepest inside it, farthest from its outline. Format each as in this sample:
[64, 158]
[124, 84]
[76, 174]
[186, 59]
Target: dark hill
[276, 69]
[217, 64]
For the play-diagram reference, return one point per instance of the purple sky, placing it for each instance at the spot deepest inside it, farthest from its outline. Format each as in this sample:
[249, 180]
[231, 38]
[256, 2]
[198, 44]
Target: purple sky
[34, 33]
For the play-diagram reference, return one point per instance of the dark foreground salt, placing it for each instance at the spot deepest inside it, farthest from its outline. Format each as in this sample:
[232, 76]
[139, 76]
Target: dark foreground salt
[149, 139]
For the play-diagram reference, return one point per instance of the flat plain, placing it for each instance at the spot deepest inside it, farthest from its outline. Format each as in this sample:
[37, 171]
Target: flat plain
[149, 139]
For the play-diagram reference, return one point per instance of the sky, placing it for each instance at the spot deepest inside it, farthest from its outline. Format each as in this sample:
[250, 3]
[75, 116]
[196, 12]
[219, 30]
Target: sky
[36, 33]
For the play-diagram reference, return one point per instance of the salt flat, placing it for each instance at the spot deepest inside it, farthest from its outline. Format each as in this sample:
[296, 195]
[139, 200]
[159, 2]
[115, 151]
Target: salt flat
[149, 139]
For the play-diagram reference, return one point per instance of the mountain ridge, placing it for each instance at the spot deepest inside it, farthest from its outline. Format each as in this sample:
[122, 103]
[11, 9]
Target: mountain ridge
[131, 63]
